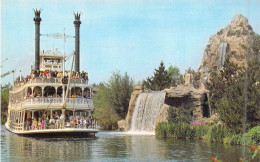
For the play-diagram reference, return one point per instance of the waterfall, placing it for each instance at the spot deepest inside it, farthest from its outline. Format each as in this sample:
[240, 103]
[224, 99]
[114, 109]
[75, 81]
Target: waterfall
[146, 111]
[222, 49]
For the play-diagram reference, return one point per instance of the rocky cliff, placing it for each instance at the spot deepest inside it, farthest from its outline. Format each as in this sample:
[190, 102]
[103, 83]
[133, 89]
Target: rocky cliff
[235, 39]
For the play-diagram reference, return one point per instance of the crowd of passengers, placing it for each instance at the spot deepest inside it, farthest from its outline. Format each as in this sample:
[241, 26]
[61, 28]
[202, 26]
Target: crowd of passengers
[38, 95]
[88, 95]
[52, 74]
[60, 122]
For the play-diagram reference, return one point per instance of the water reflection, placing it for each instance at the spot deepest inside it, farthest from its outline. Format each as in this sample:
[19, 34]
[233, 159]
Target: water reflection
[112, 146]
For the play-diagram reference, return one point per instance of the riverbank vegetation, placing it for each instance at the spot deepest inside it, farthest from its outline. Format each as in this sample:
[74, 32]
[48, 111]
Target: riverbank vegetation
[112, 99]
[213, 133]
[228, 88]
[4, 102]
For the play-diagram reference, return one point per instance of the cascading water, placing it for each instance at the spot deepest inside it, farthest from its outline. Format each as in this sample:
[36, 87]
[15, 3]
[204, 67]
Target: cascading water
[146, 111]
[222, 49]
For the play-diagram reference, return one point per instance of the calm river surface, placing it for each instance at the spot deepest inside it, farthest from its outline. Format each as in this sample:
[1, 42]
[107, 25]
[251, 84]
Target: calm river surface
[111, 146]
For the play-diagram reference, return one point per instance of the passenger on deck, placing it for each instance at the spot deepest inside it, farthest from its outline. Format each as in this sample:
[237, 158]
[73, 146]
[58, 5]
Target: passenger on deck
[34, 124]
[47, 123]
[39, 123]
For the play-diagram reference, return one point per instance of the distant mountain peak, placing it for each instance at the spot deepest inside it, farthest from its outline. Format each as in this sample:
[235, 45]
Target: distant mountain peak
[239, 20]
[235, 36]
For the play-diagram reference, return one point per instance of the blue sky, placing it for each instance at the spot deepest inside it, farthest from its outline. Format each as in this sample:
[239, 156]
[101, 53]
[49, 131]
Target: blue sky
[130, 36]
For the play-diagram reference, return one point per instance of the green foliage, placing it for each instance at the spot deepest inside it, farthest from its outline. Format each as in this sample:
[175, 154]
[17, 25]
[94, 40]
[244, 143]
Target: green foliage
[232, 138]
[175, 76]
[104, 111]
[213, 133]
[162, 130]
[121, 88]
[178, 114]
[160, 80]
[176, 130]
[4, 102]
[216, 133]
[227, 89]
[112, 99]
[201, 131]
[252, 137]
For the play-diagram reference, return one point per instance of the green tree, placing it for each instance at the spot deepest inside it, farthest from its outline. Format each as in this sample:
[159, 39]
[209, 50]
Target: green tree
[175, 76]
[112, 99]
[160, 80]
[121, 88]
[227, 89]
[104, 111]
[4, 102]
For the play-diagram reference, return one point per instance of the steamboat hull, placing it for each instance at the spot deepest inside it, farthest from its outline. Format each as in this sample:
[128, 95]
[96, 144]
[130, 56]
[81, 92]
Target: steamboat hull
[65, 132]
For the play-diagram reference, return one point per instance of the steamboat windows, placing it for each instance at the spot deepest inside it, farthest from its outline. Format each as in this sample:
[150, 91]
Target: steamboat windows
[49, 91]
[86, 93]
[37, 92]
[59, 91]
[76, 92]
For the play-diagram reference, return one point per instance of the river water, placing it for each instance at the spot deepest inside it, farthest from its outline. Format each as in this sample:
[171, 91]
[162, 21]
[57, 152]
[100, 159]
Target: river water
[112, 146]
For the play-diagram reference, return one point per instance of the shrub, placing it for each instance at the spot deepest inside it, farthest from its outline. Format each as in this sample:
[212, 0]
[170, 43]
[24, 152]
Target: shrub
[201, 131]
[213, 133]
[161, 129]
[252, 137]
[216, 133]
[178, 114]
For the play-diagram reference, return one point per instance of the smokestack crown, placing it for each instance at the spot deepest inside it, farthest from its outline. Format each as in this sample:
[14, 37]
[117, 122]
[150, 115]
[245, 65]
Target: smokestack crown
[77, 18]
[37, 14]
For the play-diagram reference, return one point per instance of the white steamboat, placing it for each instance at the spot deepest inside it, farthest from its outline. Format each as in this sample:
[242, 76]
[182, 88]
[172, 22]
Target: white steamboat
[52, 101]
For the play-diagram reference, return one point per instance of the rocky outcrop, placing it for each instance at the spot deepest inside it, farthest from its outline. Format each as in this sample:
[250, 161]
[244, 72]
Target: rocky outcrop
[188, 97]
[162, 117]
[185, 96]
[131, 107]
[121, 125]
[236, 39]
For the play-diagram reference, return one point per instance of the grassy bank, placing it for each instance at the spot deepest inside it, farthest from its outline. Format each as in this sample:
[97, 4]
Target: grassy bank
[213, 133]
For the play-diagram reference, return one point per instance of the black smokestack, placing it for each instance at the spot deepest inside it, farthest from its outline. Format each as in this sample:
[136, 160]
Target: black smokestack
[37, 20]
[77, 23]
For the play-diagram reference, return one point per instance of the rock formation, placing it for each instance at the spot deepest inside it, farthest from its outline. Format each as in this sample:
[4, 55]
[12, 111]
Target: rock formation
[185, 96]
[131, 106]
[188, 97]
[235, 39]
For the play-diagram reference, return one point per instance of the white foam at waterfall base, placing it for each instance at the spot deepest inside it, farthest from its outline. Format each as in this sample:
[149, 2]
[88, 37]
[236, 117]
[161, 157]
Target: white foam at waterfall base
[146, 111]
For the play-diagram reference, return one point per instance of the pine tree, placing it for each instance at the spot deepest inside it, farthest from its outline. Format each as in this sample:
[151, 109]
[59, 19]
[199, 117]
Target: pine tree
[160, 80]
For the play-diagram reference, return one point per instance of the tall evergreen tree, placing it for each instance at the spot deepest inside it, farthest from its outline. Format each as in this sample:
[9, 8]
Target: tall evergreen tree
[160, 80]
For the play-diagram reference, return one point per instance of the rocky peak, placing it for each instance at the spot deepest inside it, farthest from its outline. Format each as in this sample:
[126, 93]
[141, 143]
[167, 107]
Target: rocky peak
[239, 20]
[235, 36]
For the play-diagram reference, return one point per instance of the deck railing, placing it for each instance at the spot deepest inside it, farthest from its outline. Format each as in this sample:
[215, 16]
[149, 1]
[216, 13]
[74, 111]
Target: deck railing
[51, 81]
[56, 100]
[60, 125]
